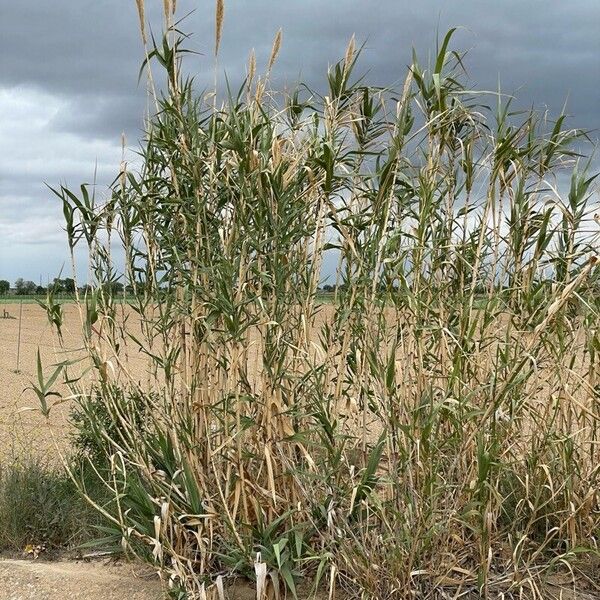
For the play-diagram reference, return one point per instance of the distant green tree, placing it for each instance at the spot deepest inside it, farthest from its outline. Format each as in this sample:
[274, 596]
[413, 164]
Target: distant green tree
[4, 286]
[40, 290]
[57, 285]
[23, 287]
[68, 285]
[114, 287]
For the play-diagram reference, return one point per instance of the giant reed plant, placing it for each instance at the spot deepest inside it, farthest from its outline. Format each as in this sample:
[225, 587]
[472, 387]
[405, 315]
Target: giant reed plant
[433, 429]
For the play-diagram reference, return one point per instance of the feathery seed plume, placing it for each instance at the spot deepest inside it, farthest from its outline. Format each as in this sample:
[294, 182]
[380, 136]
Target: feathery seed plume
[251, 67]
[275, 49]
[167, 9]
[142, 16]
[218, 24]
[349, 53]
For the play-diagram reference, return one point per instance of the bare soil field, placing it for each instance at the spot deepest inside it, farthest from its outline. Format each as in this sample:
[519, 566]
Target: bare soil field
[23, 430]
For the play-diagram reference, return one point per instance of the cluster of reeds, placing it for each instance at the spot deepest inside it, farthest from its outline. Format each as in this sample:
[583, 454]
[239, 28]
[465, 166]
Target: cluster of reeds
[433, 429]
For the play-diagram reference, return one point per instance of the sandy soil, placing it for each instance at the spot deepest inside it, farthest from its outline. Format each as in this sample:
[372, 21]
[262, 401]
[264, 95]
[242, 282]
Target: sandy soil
[38, 580]
[21, 429]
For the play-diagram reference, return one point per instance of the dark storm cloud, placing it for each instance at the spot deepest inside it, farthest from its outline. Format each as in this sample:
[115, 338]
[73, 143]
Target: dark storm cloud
[104, 116]
[90, 51]
[68, 69]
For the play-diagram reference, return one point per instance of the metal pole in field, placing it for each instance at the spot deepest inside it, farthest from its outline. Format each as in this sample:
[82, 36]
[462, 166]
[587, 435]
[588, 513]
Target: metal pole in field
[19, 337]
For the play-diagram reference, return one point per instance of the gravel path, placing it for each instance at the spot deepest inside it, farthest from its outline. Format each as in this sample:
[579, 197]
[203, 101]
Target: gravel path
[38, 580]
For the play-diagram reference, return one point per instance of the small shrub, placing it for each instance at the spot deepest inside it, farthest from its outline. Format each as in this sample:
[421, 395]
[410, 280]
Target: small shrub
[93, 420]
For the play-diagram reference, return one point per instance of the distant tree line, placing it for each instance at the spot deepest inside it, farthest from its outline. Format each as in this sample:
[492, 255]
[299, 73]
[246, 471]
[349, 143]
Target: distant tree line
[66, 286]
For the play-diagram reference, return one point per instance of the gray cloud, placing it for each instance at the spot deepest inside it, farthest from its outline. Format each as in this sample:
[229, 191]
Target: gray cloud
[68, 76]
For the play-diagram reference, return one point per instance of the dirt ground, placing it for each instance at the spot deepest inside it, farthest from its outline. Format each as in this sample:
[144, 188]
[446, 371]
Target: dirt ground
[37, 580]
[23, 430]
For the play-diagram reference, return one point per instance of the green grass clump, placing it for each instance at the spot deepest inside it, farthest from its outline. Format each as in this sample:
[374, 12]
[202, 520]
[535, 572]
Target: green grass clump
[41, 505]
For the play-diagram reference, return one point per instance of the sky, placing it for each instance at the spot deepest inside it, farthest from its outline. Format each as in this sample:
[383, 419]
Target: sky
[69, 79]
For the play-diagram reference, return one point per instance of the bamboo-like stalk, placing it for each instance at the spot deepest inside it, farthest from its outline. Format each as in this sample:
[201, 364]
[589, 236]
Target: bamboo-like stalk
[399, 435]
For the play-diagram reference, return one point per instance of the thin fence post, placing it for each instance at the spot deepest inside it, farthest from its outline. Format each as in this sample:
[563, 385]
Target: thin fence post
[19, 337]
